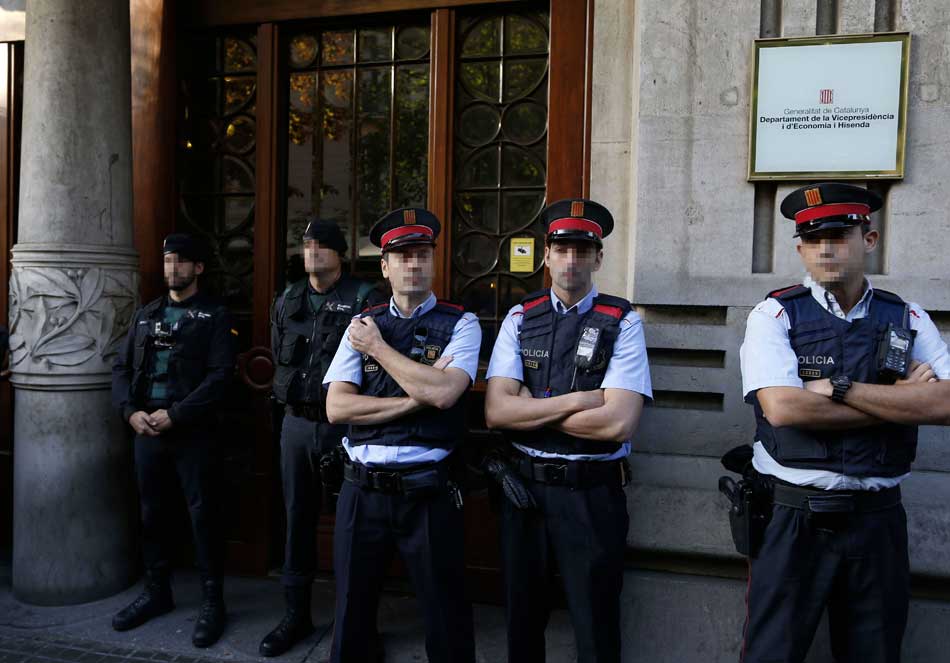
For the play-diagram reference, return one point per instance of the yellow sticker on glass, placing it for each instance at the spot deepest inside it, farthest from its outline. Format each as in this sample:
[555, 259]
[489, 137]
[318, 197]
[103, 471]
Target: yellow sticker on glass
[522, 254]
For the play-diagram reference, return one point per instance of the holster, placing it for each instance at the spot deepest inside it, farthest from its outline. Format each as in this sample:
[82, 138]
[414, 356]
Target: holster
[331, 476]
[750, 501]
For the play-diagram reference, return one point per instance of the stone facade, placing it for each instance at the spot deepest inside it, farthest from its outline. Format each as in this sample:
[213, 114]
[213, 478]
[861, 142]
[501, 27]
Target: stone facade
[669, 155]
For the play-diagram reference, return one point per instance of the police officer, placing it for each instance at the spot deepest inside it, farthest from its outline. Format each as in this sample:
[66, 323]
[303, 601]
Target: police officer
[398, 379]
[308, 322]
[566, 382]
[171, 374]
[822, 364]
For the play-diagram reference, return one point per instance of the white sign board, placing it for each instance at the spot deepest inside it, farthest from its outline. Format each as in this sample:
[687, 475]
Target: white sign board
[829, 107]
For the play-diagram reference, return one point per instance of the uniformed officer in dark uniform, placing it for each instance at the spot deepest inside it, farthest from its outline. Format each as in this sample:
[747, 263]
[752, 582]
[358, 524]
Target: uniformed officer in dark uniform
[308, 322]
[168, 380]
[822, 364]
[566, 382]
[398, 379]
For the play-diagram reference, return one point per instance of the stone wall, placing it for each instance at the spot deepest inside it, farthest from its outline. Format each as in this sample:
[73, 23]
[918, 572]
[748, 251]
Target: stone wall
[670, 139]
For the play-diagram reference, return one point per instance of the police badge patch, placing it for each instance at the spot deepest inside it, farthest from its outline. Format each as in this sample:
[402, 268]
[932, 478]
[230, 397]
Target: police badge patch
[433, 352]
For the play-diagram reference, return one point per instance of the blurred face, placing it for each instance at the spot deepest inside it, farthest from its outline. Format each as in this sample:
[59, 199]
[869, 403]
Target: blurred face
[180, 272]
[318, 259]
[409, 269]
[835, 256]
[572, 264]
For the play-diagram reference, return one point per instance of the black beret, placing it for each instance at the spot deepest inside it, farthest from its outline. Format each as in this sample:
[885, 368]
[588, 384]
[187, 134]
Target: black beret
[829, 205]
[577, 219]
[405, 227]
[328, 233]
[186, 246]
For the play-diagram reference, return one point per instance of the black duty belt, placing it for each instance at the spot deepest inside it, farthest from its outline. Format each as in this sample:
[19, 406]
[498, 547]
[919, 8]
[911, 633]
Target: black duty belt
[815, 500]
[311, 412]
[573, 473]
[417, 479]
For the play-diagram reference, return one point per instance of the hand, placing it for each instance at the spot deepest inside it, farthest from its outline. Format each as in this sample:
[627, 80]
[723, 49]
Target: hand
[511, 484]
[821, 387]
[919, 372]
[365, 337]
[589, 400]
[443, 362]
[160, 420]
[142, 424]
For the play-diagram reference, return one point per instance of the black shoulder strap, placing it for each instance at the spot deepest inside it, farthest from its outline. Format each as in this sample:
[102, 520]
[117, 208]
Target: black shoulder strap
[537, 303]
[789, 292]
[887, 296]
[616, 307]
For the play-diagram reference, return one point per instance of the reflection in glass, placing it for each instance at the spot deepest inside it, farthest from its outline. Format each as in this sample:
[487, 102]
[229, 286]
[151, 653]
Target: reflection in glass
[376, 44]
[520, 168]
[412, 42]
[481, 79]
[238, 91]
[478, 124]
[336, 47]
[520, 209]
[480, 210]
[412, 134]
[238, 211]
[239, 134]
[303, 50]
[522, 76]
[523, 35]
[483, 39]
[525, 122]
[481, 169]
[236, 176]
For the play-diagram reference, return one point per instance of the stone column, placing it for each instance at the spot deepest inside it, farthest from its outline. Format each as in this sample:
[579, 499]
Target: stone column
[73, 290]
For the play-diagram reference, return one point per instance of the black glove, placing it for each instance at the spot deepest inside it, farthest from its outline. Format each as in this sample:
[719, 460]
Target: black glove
[511, 484]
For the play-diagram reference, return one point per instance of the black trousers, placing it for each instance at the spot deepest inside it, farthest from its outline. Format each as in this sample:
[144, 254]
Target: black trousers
[581, 532]
[428, 533]
[187, 460]
[300, 474]
[857, 566]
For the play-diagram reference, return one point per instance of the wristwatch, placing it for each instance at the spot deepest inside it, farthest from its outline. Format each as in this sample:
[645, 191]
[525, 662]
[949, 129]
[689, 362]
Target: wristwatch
[839, 387]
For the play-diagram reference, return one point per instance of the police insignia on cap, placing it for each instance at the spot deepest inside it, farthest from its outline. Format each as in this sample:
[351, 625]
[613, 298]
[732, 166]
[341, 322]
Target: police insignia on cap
[409, 217]
[577, 208]
[813, 197]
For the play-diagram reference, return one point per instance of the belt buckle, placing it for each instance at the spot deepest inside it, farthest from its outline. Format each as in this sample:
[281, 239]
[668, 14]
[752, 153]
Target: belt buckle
[386, 482]
[555, 473]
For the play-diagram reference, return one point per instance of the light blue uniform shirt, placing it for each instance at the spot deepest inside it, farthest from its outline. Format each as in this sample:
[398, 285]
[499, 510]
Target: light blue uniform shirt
[767, 360]
[347, 366]
[627, 369]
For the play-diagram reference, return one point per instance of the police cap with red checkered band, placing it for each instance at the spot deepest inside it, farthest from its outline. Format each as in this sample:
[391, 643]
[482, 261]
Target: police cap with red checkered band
[577, 219]
[828, 205]
[405, 227]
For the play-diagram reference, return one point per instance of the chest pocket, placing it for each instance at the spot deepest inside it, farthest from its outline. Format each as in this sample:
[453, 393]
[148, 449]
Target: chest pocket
[818, 350]
[428, 344]
[292, 350]
[192, 338]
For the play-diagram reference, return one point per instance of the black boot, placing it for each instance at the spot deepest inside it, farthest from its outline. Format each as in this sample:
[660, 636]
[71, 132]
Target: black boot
[156, 600]
[294, 627]
[212, 616]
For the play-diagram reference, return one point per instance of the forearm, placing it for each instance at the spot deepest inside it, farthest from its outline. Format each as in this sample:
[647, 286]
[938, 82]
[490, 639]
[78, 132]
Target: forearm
[204, 398]
[421, 382]
[804, 409]
[513, 412]
[601, 423]
[912, 404]
[367, 410]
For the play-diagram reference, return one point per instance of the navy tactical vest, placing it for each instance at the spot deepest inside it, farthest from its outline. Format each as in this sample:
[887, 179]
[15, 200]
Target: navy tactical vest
[305, 341]
[423, 338]
[827, 346]
[549, 347]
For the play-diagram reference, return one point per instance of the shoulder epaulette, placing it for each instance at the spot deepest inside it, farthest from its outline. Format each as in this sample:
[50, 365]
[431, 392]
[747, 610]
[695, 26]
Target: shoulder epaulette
[887, 296]
[451, 305]
[376, 310]
[615, 307]
[535, 299]
[789, 292]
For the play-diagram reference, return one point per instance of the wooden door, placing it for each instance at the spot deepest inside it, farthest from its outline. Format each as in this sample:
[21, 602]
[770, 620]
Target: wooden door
[479, 113]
